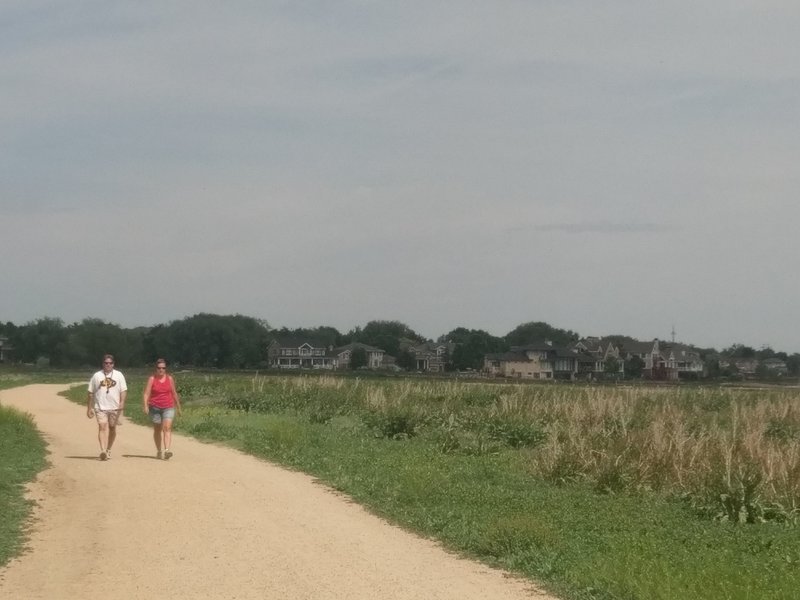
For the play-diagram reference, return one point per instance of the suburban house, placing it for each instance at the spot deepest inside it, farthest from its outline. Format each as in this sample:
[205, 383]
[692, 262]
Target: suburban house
[542, 361]
[746, 367]
[601, 349]
[300, 354]
[684, 359]
[597, 346]
[314, 354]
[775, 366]
[749, 367]
[514, 364]
[5, 349]
[587, 359]
[428, 356]
[375, 355]
[665, 361]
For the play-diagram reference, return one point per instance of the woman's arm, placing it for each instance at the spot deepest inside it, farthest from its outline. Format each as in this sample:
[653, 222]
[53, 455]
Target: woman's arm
[146, 395]
[175, 395]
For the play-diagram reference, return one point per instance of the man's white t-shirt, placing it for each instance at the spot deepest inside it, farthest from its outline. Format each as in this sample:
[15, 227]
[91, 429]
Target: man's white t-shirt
[107, 389]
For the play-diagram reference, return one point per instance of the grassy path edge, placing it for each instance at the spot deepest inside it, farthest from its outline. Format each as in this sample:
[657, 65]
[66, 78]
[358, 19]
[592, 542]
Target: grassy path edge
[23, 455]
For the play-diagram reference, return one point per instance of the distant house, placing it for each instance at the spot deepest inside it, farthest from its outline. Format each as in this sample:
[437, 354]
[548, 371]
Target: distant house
[776, 366]
[514, 364]
[665, 361]
[375, 355]
[297, 353]
[684, 359]
[601, 349]
[300, 354]
[5, 349]
[745, 367]
[428, 356]
[542, 361]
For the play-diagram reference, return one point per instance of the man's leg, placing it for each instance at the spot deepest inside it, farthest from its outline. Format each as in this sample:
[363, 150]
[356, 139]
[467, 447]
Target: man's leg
[102, 437]
[112, 435]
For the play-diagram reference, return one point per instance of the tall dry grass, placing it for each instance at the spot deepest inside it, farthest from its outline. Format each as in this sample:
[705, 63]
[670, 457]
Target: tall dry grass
[732, 454]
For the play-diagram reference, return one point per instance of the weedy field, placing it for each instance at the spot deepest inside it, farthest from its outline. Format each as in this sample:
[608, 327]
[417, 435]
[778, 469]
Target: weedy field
[599, 492]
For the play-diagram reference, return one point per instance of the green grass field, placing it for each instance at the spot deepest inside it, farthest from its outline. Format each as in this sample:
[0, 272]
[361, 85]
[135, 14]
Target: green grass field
[599, 493]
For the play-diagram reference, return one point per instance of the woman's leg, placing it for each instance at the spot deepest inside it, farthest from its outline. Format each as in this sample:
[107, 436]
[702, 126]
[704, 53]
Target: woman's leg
[167, 428]
[157, 436]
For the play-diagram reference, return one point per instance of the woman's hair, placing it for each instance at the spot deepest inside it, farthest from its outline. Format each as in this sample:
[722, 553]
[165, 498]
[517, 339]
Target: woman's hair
[160, 361]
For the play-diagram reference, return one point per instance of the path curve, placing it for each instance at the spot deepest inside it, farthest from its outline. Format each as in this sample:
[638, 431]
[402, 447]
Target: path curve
[211, 523]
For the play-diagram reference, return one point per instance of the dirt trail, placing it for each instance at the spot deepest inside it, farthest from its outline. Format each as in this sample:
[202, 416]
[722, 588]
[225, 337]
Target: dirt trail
[211, 523]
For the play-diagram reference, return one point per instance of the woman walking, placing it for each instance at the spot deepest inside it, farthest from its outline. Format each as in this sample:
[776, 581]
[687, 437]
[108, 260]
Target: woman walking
[160, 402]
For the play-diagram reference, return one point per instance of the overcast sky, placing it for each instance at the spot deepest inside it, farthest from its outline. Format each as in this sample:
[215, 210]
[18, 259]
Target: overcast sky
[607, 167]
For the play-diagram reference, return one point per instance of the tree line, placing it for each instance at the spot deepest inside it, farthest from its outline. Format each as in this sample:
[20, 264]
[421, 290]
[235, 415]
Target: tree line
[240, 342]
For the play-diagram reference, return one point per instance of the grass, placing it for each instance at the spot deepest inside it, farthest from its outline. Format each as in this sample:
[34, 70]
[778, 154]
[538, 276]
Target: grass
[22, 456]
[472, 466]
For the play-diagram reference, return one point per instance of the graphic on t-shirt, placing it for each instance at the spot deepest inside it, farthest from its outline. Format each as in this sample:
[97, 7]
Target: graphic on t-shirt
[107, 383]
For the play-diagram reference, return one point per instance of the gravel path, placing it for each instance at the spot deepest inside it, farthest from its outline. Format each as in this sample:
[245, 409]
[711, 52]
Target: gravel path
[211, 523]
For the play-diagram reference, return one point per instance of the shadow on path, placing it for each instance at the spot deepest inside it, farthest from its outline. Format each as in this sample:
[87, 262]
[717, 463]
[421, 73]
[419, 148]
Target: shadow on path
[150, 456]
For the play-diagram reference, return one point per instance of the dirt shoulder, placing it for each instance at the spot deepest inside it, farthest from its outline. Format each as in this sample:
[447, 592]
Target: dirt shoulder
[211, 523]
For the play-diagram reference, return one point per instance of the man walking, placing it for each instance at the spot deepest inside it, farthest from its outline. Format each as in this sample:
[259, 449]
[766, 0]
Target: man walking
[106, 399]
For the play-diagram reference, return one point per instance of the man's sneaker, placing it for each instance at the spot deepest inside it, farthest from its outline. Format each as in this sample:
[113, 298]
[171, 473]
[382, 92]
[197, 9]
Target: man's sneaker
[108, 454]
[103, 455]
[159, 456]
[167, 454]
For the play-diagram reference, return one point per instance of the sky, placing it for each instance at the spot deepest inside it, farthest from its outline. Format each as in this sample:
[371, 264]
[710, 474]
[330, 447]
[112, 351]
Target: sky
[618, 167]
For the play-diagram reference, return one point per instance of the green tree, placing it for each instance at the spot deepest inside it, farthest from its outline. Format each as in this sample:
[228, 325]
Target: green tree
[634, 367]
[90, 339]
[386, 335]
[739, 351]
[611, 367]
[209, 340]
[406, 360]
[329, 336]
[712, 366]
[793, 364]
[471, 345]
[42, 341]
[533, 332]
[358, 358]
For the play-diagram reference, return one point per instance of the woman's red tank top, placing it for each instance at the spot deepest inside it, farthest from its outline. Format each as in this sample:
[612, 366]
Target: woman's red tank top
[161, 393]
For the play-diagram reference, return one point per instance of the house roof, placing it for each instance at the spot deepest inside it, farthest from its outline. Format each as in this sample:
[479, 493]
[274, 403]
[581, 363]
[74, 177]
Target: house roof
[533, 347]
[354, 345]
[297, 342]
[508, 357]
[774, 362]
[637, 347]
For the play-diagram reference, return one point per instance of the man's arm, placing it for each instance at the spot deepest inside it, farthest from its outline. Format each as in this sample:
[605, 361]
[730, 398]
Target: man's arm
[89, 404]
